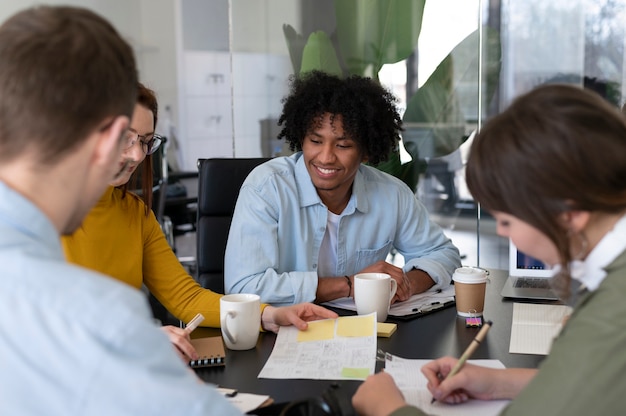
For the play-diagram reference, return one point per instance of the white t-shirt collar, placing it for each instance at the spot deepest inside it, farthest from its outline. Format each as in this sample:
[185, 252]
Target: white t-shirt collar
[591, 271]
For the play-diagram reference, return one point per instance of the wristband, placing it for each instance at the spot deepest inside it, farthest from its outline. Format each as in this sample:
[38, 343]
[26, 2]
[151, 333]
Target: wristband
[349, 285]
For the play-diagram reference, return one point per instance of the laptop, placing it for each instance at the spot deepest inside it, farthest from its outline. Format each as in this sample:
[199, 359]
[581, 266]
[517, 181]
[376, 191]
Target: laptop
[528, 278]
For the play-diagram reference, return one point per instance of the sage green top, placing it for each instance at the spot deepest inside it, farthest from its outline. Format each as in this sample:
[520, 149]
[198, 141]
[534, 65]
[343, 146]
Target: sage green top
[585, 373]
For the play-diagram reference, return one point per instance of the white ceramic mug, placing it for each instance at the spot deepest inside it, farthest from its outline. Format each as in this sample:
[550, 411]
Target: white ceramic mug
[373, 293]
[240, 318]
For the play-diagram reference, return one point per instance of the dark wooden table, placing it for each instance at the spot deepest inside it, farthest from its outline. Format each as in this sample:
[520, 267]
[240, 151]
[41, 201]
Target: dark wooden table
[430, 336]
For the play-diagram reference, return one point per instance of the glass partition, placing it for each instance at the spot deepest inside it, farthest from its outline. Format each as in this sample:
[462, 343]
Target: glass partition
[467, 60]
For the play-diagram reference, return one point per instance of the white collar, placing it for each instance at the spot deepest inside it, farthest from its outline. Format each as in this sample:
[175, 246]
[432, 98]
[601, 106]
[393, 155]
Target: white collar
[591, 272]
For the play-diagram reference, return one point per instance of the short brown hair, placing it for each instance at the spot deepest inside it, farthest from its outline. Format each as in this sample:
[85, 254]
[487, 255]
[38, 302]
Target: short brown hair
[556, 149]
[63, 72]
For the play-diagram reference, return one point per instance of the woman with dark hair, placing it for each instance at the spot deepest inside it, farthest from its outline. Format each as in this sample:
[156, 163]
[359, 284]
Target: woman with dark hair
[552, 171]
[121, 237]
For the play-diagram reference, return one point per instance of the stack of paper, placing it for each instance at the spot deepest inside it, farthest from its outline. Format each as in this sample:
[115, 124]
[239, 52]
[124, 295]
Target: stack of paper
[419, 304]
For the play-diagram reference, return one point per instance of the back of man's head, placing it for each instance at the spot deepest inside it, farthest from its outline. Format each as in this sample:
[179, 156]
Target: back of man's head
[63, 71]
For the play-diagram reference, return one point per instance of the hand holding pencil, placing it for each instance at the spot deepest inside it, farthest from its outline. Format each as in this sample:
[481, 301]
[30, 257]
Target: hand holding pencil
[434, 368]
[379, 395]
[179, 337]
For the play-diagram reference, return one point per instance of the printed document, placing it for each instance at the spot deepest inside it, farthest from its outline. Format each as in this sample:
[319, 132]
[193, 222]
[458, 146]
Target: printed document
[420, 303]
[409, 378]
[331, 349]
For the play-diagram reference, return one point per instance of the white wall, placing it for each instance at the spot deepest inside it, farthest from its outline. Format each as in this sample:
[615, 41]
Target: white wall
[148, 25]
[260, 60]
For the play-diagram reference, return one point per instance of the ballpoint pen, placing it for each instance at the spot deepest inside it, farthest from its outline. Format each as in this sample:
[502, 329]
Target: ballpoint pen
[193, 324]
[469, 351]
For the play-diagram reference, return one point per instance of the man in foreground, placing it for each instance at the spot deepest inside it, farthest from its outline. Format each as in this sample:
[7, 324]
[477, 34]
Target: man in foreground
[72, 341]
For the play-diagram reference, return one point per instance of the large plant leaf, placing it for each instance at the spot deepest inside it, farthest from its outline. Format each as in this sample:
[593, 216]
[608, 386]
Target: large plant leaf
[319, 53]
[295, 45]
[433, 118]
[372, 33]
[466, 63]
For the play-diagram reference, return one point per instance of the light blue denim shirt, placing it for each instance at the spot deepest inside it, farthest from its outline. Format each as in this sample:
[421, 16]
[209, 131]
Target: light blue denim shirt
[73, 342]
[279, 223]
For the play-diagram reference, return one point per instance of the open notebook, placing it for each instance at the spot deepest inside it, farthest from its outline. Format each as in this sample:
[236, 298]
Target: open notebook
[528, 277]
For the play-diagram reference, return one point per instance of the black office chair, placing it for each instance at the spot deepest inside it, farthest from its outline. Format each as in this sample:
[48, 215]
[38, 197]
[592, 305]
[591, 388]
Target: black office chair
[218, 188]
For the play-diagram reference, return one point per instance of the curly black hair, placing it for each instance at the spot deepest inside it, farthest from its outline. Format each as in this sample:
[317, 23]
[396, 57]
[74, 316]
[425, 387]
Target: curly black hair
[369, 113]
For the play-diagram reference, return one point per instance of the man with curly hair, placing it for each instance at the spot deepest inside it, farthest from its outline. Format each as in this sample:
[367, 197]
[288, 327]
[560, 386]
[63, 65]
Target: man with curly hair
[304, 225]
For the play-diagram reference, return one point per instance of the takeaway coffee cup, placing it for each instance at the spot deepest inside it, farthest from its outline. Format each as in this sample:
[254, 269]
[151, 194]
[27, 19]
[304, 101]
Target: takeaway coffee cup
[470, 284]
[373, 293]
[240, 318]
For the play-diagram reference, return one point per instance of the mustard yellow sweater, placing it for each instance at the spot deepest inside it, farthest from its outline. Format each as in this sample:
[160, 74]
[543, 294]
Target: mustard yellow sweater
[118, 239]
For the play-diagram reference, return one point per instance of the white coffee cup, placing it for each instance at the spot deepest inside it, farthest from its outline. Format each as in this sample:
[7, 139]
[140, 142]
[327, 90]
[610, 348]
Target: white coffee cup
[240, 318]
[470, 284]
[373, 293]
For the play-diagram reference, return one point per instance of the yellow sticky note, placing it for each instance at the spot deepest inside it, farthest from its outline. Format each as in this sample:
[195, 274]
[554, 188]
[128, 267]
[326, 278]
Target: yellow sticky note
[356, 373]
[385, 329]
[318, 331]
[356, 326]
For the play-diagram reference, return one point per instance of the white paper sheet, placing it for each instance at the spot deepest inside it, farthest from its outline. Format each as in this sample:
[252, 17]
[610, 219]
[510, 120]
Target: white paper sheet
[410, 380]
[336, 358]
[243, 401]
[535, 326]
[422, 302]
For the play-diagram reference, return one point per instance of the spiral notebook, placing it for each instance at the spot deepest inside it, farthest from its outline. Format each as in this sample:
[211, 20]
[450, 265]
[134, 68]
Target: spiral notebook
[211, 352]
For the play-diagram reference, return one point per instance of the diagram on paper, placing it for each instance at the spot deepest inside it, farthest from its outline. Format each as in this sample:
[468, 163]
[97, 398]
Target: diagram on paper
[330, 349]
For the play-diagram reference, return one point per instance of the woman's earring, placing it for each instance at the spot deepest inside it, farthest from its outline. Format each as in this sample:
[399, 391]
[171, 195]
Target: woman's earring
[584, 244]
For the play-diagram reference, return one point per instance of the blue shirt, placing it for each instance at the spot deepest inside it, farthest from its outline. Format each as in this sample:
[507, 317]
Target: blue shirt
[279, 223]
[73, 342]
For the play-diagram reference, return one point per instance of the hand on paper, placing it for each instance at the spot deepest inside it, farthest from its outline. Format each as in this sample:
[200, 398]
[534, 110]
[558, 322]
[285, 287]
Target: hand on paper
[378, 395]
[474, 381]
[296, 315]
[180, 338]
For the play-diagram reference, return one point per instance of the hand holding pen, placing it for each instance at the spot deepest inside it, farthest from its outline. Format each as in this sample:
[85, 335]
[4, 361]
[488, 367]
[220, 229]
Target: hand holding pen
[180, 338]
[432, 370]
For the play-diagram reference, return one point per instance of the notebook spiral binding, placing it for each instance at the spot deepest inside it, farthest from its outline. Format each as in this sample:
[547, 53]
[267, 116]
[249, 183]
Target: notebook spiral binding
[207, 362]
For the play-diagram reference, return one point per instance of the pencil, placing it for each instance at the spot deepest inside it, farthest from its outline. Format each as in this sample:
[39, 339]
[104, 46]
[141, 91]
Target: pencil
[468, 352]
[193, 324]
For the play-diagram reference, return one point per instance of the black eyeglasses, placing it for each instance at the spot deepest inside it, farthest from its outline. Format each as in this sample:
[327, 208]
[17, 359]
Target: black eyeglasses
[149, 143]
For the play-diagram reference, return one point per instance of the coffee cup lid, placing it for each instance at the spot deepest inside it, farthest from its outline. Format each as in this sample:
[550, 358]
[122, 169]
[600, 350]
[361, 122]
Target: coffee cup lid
[467, 274]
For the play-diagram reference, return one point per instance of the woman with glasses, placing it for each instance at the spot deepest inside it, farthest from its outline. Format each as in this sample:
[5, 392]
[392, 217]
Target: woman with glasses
[122, 238]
